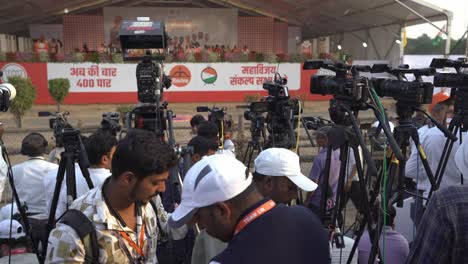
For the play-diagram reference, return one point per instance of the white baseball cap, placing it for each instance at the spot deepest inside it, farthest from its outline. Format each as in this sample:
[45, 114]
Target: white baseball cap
[5, 212]
[283, 162]
[17, 229]
[215, 178]
[461, 158]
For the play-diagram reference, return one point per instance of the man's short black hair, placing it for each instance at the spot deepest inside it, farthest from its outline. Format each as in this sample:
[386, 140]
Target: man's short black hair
[98, 145]
[207, 129]
[196, 119]
[202, 145]
[142, 153]
[34, 145]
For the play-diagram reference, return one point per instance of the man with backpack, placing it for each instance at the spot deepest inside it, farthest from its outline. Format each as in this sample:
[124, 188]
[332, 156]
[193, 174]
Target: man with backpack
[119, 224]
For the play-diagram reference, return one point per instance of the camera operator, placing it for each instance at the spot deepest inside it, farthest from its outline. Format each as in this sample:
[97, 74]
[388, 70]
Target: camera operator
[396, 246]
[440, 109]
[30, 174]
[219, 195]
[433, 141]
[442, 233]
[210, 130]
[120, 209]
[318, 170]
[100, 148]
[278, 175]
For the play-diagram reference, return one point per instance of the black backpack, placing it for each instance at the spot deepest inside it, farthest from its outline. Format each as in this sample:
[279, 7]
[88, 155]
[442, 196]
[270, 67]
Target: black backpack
[86, 231]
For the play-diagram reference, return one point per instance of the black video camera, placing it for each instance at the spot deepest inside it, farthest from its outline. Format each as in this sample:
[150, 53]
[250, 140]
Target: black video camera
[416, 92]
[458, 79]
[345, 84]
[459, 83]
[57, 122]
[110, 123]
[215, 113]
[280, 109]
[146, 40]
[217, 116]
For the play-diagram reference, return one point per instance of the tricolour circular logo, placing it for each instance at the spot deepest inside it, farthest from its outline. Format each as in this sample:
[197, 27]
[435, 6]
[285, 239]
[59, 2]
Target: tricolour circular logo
[209, 75]
[180, 75]
[13, 69]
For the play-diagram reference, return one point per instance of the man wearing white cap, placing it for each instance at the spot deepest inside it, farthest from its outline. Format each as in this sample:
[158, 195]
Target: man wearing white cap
[219, 195]
[278, 174]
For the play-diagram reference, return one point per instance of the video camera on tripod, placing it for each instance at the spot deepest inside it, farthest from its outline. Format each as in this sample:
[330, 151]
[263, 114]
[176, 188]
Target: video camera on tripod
[217, 116]
[146, 40]
[57, 122]
[110, 123]
[415, 93]
[346, 85]
[459, 83]
[280, 109]
[7, 93]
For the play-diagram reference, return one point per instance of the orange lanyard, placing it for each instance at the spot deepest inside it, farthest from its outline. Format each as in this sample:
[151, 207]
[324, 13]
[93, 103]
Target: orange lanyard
[138, 248]
[249, 218]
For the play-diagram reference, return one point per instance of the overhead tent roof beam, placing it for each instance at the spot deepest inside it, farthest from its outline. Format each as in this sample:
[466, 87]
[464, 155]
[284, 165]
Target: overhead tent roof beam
[258, 11]
[424, 18]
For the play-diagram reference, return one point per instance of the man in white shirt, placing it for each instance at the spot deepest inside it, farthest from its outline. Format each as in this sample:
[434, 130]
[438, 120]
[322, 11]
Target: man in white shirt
[29, 175]
[440, 110]
[100, 148]
[433, 141]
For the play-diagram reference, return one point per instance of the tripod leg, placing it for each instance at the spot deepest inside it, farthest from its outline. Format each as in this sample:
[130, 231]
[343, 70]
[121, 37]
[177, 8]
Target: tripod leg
[443, 163]
[308, 133]
[324, 187]
[86, 175]
[461, 141]
[21, 209]
[445, 155]
[246, 154]
[423, 157]
[55, 198]
[340, 203]
[70, 179]
[366, 208]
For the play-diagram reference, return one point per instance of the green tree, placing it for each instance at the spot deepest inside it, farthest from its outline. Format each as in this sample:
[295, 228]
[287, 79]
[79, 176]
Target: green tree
[424, 45]
[58, 89]
[25, 95]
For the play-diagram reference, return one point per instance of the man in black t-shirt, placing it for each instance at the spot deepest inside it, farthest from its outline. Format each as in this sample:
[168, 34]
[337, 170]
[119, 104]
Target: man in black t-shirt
[219, 195]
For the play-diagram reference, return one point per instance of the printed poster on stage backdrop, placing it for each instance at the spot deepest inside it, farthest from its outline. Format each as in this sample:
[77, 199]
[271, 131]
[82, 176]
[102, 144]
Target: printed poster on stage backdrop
[89, 77]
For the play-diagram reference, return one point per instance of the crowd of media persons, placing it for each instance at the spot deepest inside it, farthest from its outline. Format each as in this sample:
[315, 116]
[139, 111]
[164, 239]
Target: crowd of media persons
[226, 212]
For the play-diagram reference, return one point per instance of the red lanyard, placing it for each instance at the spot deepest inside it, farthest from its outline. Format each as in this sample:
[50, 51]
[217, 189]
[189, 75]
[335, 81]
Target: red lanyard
[249, 218]
[138, 248]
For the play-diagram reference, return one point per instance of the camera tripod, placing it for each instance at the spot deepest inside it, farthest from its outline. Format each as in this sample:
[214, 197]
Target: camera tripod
[402, 133]
[74, 153]
[346, 134]
[257, 131]
[459, 124]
